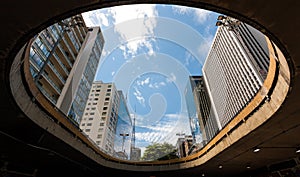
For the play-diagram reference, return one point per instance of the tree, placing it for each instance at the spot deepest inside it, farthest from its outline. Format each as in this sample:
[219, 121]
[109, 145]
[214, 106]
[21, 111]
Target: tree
[159, 151]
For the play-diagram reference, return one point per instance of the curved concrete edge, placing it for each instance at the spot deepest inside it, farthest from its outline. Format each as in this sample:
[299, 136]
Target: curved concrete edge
[44, 114]
[260, 110]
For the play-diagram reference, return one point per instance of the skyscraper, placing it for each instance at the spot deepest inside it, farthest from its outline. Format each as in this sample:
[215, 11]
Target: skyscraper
[124, 129]
[193, 114]
[63, 62]
[106, 117]
[184, 146]
[135, 154]
[235, 67]
[207, 120]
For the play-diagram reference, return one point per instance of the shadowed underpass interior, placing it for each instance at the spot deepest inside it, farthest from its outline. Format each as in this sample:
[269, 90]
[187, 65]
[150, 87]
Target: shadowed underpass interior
[37, 140]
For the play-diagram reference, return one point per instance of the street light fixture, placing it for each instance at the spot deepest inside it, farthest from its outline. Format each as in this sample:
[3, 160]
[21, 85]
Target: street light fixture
[221, 17]
[180, 134]
[124, 136]
[256, 149]
[219, 23]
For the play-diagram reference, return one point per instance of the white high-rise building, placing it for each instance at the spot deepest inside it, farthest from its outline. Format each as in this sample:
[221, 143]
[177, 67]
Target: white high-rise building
[104, 110]
[235, 67]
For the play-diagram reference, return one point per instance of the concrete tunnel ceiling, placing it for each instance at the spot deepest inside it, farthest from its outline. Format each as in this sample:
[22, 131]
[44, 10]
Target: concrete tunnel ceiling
[30, 24]
[24, 24]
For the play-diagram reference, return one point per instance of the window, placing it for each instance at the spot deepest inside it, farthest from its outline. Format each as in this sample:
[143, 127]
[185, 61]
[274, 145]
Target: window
[103, 118]
[90, 118]
[89, 124]
[101, 124]
[92, 113]
[98, 90]
[105, 103]
[104, 108]
[99, 136]
[108, 90]
[106, 99]
[104, 113]
[87, 130]
[100, 129]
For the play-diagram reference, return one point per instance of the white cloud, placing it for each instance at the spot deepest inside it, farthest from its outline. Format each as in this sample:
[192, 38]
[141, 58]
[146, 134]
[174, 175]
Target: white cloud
[129, 12]
[187, 58]
[112, 73]
[148, 136]
[138, 26]
[165, 131]
[171, 78]
[103, 19]
[200, 15]
[157, 85]
[162, 84]
[96, 18]
[103, 53]
[133, 23]
[139, 97]
[144, 82]
[204, 47]
[180, 9]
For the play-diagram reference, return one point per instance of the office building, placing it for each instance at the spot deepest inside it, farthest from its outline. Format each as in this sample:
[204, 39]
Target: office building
[207, 120]
[193, 114]
[184, 146]
[105, 118]
[124, 129]
[135, 154]
[235, 67]
[63, 61]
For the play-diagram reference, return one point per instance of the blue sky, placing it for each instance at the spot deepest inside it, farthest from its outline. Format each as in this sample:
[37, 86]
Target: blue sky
[149, 52]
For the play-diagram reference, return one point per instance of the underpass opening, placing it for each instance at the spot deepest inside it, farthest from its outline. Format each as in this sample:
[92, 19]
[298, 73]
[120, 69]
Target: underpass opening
[92, 33]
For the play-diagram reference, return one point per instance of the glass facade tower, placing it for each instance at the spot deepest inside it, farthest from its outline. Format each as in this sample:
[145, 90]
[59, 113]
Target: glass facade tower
[63, 62]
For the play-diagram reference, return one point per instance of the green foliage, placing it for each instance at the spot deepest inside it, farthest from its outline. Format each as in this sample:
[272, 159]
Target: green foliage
[157, 151]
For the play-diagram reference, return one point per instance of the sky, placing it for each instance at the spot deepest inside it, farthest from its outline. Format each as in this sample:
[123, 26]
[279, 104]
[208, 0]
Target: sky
[150, 51]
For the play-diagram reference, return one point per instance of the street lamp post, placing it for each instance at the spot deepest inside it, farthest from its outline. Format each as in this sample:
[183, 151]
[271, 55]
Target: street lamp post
[124, 136]
[180, 134]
